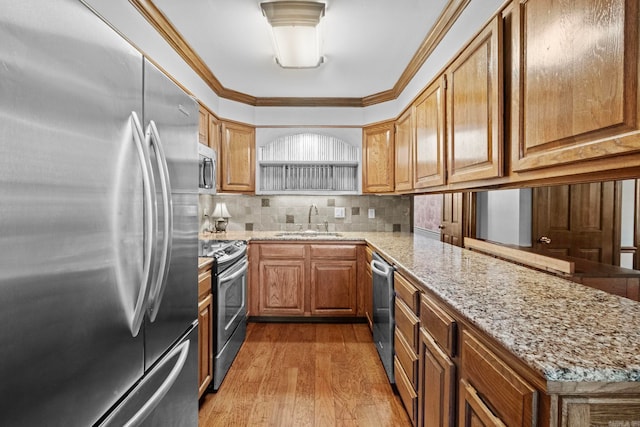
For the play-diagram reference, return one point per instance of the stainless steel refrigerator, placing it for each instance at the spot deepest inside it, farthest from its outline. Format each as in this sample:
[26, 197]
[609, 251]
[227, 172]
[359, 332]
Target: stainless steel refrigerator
[98, 226]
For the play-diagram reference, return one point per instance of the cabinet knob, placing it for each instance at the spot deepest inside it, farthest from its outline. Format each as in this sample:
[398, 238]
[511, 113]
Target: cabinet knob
[544, 239]
[441, 227]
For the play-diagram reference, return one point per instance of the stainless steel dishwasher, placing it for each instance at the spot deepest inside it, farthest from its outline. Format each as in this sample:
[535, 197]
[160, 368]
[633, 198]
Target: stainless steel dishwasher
[383, 312]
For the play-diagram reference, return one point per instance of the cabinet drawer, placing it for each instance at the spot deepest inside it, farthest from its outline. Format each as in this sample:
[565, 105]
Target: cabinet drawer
[512, 398]
[284, 251]
[204, 284]
[407, 358]
[333, 251]
[407, 394]
[408, 324]
[473, 411]
[439, 324]
[407, 292]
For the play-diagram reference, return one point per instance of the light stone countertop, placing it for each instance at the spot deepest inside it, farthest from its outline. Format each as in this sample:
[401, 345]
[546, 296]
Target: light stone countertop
[566, 331]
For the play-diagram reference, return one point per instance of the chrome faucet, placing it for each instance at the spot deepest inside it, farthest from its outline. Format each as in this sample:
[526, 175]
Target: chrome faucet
[312, 207]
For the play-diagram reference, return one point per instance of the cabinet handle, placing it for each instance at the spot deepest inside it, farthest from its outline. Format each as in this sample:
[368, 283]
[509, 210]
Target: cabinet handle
[544, 239]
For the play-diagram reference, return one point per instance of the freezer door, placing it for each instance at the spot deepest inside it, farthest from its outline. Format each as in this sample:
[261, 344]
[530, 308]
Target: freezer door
[71, 236]
[168, 393]
[171, 124]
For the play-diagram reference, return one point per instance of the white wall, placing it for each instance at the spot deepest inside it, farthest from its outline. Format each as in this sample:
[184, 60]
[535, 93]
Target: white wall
[504, 216]
[123, 16]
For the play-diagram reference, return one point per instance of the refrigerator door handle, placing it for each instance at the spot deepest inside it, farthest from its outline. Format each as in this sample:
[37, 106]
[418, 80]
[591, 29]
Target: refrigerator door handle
[157, 291]
[157, 396]
[150, 224]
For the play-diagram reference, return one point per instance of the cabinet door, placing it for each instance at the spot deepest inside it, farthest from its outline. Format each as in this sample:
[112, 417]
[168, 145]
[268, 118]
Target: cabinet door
[404, 153]
[205, 343]
[575, 81]
[203, 126]
[282, 284]
[436, 385]
[474, 109]
[377, 159]
[333, 288]
[473, 411]
[215, 136]
[599, 411]
[428, 149]
[452, 219]
[510, 396]
[238, 158]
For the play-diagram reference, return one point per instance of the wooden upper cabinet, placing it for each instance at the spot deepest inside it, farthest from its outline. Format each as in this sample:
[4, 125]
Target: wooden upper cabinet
[238, 155]
[404, 152]
[474, 108]
[575, 81]
[215, 135]
[428, 147]
[378, 159]
[203, 126]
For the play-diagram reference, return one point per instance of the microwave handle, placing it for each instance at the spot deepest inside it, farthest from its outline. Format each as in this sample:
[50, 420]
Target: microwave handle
[208, 180]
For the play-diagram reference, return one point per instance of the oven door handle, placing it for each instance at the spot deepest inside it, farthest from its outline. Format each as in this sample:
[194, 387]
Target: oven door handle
[223, 278]
[236, 256]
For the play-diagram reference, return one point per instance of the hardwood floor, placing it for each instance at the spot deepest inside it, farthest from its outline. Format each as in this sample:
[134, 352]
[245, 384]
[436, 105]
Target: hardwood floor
[305, 374]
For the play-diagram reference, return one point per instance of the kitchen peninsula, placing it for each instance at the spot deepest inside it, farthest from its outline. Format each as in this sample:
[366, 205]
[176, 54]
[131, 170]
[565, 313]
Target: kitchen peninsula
[569, 352]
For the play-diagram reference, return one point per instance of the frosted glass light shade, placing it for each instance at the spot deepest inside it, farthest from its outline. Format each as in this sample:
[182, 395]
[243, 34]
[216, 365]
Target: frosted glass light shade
[295, 32]
[221, 211]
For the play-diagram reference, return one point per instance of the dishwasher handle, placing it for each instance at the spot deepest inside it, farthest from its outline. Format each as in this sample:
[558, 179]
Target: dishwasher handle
[380, 268]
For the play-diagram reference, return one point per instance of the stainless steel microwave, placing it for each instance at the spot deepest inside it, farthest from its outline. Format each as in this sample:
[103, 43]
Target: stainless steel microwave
[207, 162]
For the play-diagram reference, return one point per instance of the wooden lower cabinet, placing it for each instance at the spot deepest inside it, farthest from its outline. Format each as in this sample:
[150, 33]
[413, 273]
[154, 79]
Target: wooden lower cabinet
[205, 333]
[303, 279]
[468, 379]
[473, 411]
[407, 393]
[509, 395]
[282, 287]
[436, 385]
[406, 361]
[333, 288]
[600, 411]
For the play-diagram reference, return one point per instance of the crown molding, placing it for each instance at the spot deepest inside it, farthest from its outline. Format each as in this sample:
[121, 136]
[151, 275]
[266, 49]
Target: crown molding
[165, 28]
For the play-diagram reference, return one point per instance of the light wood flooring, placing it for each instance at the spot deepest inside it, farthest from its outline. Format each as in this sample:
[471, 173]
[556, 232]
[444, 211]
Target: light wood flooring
[305, 374]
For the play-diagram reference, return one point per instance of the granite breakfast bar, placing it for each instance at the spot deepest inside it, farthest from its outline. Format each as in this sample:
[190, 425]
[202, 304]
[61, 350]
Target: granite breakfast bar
[578, 347]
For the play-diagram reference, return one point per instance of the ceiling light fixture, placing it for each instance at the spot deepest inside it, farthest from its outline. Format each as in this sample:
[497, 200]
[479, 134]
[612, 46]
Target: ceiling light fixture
[295, 32]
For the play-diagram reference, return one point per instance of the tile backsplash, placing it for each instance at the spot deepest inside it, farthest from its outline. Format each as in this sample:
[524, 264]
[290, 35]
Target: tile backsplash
[289, 213]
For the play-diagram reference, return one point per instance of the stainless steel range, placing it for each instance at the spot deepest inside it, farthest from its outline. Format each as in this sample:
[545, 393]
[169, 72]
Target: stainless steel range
[229, 289]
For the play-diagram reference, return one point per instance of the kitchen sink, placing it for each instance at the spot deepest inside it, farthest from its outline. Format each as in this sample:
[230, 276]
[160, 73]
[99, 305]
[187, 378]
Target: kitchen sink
[309, 233]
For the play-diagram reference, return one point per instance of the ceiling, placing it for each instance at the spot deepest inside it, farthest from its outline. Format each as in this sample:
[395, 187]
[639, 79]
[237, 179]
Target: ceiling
[370, 46]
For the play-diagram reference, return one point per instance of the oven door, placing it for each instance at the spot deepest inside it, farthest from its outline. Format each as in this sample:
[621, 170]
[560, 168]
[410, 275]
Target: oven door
[231, 301]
